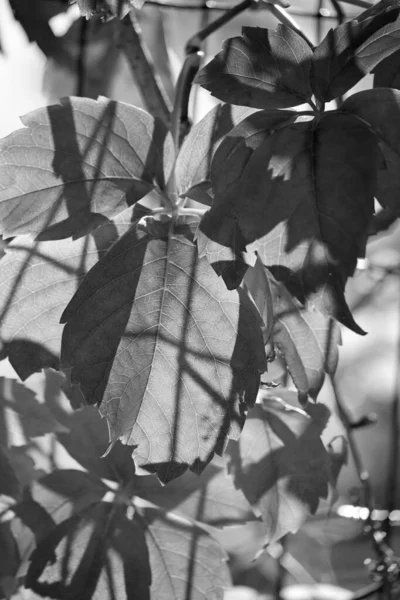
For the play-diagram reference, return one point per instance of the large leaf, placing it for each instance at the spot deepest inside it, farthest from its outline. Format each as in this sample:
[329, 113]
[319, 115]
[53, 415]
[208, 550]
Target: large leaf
[38, 281]
[262, 68]
[352, 50]
[171, 357]
[380, 108]
[193, 165]
[387, 73]
[281, 465]
[307, 340]
[75, 159]
[304, 202]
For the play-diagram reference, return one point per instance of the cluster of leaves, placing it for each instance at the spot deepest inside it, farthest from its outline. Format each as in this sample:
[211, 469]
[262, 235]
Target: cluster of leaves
[164, 281]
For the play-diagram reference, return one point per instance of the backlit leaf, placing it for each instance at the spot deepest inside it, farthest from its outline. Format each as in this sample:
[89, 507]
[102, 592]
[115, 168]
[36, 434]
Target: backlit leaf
[262, 68]
[352, 50]
[167, 352]
[75, 159]
[380, 108]
[281, 465]
[209, 498]
[306, 339]
[193, 165]
[304, 202]
[38, 281]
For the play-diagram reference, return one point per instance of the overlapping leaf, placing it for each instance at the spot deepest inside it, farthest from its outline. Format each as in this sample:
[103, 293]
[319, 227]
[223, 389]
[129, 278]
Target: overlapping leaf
[352, 50]
[75, 159]
[219, 239]
[380, 108]
[304, 202]
[387, 73]
[167, 352]
[262, 68]
[193, 165]
[281, 465]
[38, 280]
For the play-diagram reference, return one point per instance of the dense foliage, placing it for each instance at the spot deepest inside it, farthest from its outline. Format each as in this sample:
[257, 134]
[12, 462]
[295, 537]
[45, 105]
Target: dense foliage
[163, 282]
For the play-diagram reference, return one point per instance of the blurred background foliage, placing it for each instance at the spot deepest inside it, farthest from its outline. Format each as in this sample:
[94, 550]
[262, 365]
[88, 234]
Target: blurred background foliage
[329, 549]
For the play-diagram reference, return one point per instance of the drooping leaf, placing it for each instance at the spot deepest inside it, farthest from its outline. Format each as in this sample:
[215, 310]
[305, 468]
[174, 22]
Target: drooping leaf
[38, 280]
[281, 466]
[351, 51]
[387, 73]
[380, 108]
[258, 284]
[224, 248]
[306, 339]
[304, 202]
[262, 68]
[75, 159]
[167, 352]
[193, 164]
[210, 498]
[9, 484]
[22, 416]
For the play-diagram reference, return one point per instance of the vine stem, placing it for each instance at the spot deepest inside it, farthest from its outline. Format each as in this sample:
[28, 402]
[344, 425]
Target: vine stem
[154, 96]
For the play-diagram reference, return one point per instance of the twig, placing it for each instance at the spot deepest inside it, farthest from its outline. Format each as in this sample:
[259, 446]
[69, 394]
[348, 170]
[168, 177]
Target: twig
[367, 591]
[360, 3]
[149, 84]
[391, 488]
[80, 67]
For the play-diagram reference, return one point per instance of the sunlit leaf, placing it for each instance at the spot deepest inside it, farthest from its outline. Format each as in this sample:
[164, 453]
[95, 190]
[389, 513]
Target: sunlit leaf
[167, 352]
[193, 165]
[281, 465]
[306, 339]
[352, 50]
[304, 202]
[380, 108]
[262, 68]
[38, 281]
[75, 159]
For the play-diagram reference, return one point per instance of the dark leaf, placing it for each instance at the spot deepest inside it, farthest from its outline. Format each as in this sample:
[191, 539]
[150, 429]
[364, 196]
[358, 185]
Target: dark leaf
[304, 201]
[257, 283]
[98, 554]
[38, 280]
[167, 352]
[22, 417]
[76, 159]
[306, 339]
[209, 498]
[281, 465]
[193, 165]
[218, 238]
[380, 109]
[262, 68]
[387, 73]
[107, 9]
[9, 484]
[352, 50]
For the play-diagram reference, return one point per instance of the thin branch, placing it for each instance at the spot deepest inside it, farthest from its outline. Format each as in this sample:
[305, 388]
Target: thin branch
[367, 591]
[360, 3]
[80, 67]
[149, 84]
[284, 17]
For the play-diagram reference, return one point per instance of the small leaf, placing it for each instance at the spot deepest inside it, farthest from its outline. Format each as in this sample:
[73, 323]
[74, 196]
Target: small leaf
[76, 159]
[352, 50]
[306, 339]
[262, 69]
[380, 108]
[38, 280]
[281, 466]
[165, 350]
[193, 165]
[304, 203]
[209, 498]
[258, 284]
